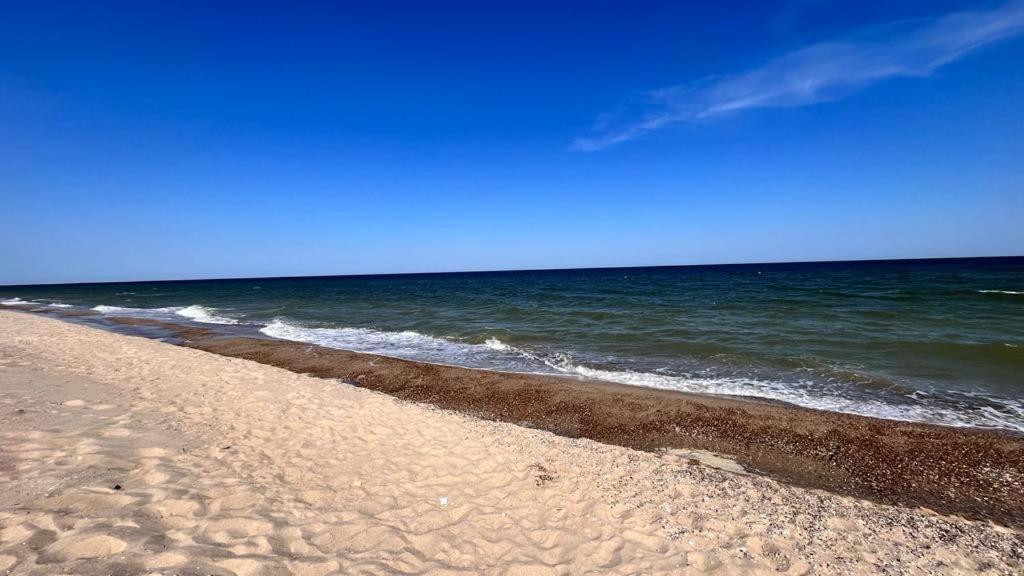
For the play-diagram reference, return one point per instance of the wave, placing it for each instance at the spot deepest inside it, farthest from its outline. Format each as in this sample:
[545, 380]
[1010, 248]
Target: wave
[495, 344]
[407, 344]
[58, 305]
[1001, 292]
[493, 354]
[195, 312]
[137, 312]
[15, 302]
[994, 413]
[204, 314]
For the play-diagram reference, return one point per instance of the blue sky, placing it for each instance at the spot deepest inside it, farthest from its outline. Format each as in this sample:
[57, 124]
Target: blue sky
[225, 139]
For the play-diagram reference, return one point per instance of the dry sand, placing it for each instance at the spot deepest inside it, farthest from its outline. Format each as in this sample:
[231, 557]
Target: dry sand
[122, 455]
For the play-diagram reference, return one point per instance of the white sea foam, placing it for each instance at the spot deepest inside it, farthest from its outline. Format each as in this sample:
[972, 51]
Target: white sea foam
[1000, 292]
[204, 314]
[135, 312]
[409, 345]
[497, 355]
[804, 394]
[406, 344]
[58, 305]
[195, 312]
[14, 302]
[495, 344]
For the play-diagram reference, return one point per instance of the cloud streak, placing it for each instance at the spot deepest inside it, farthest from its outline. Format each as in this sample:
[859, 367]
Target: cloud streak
[816, 73]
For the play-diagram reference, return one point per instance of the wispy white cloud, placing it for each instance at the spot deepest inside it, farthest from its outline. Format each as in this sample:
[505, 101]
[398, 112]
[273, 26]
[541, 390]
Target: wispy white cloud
[816, 73]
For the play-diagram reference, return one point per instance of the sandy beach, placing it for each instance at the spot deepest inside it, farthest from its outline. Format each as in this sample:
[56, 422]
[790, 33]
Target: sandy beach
[512, 289]
[126, 455]
[966, 471]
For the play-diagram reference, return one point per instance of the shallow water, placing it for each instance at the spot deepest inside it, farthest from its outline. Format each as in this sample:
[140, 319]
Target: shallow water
[935, 341]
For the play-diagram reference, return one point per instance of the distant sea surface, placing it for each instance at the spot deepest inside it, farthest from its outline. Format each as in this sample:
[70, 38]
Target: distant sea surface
[937, 341]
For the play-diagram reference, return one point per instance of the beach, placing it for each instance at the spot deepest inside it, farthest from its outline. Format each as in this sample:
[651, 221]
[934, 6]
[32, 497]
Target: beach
[536, 289]
[128, 455]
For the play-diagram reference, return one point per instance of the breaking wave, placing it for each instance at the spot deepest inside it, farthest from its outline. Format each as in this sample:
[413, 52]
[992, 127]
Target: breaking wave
[204, 314]
[195, 312]
[407, 344]
[134, 312]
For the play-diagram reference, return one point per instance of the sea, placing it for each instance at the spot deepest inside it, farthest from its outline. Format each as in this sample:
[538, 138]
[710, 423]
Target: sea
[939, 341]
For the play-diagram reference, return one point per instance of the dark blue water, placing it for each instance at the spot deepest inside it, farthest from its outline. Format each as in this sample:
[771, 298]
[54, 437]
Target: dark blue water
[938, 341]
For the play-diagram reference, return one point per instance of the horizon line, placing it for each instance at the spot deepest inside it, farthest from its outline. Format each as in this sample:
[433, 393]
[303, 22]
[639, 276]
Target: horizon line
[511, 270]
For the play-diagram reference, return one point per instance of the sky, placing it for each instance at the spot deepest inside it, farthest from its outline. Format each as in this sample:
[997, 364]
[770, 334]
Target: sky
[149, 140]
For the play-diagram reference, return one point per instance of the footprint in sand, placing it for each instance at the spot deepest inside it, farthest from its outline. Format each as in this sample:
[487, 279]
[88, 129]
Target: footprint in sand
[237, 501]
[313, 568]
[81, 547]
[165, 560]
[174, 507]
[241, 566]
[153, 452]
[155, 478]
[88, 503]
[15, 534]
[235, 528]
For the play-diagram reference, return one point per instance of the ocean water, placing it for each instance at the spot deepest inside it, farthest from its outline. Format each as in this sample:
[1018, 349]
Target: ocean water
[937, 341]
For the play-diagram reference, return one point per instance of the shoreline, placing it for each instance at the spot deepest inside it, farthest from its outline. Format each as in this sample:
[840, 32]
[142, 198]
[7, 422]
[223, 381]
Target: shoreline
[998, 417]
[174, 330]
[975, 473]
